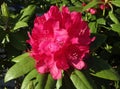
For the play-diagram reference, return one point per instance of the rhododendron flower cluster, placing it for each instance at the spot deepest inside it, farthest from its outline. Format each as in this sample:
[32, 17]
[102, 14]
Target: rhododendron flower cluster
[60, 40]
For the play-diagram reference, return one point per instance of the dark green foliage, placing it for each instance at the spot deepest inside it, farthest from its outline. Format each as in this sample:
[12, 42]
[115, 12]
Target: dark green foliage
[103, 64]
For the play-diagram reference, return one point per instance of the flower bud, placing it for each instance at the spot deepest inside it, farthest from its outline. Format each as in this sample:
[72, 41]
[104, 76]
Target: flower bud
[93, 11]
[102, 7]
[4, 9]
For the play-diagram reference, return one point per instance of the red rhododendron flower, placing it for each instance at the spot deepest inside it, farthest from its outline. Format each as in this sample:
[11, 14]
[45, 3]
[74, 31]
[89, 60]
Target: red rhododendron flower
[60, 39]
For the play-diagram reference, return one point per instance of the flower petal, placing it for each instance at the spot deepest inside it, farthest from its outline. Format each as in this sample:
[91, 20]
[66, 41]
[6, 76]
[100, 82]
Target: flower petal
[55, 72]
[79, 65]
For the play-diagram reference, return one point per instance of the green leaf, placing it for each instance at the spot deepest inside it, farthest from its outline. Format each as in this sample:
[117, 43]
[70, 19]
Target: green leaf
[28, 78]
[41, 81]
[4, 10]
[85, 77]
[27, 13]
[113, 17]
[99, 40]
[20, 24]
[59, 83]
[19, 69]
[101, 21]
[102, 69]
[39, 86]
[30, 85]
[55, 1]
[65, 2]
[77, 82]
[50, 84]
[81, 81]
[75, 8]
[76, 3]
[116, 2]
[116, 27]
[93, 27]
[21, 57]
[89, 5]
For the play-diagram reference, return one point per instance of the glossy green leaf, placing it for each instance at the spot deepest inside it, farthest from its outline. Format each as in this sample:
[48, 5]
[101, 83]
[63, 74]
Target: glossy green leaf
[30, 85]
[101, 21]
[92, 26]
[21, 57]
[116, 2]
[77, 82]
[116, 27]
[75, 8]
[38, 86]
[19, 69]
[59, 83]
[27, 13]
[41, 81]
[113, 17]
[75, 2]
[55, 1]
[81, 81]
[50, 84]
[20, 24]
[28, 78]
[89, 5]
[4, 10]
[65, 2]
[102, 69]
[85, 77]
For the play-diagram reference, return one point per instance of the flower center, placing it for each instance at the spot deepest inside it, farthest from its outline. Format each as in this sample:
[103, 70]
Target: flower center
[73, 56]
[73, 53]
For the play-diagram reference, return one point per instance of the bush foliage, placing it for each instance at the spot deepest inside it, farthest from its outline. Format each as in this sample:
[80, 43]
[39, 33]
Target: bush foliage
[103, 66]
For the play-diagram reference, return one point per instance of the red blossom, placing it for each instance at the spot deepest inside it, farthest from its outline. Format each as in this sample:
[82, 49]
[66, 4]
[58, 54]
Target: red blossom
[59, 40]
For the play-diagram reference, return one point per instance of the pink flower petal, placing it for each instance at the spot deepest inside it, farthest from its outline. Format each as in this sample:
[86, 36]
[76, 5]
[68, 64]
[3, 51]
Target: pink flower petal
[79, 65]
[55, 72]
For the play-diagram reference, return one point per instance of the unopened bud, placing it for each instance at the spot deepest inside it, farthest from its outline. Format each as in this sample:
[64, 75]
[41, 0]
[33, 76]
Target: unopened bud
[4, 10]
[93, 11]
[102, 6]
